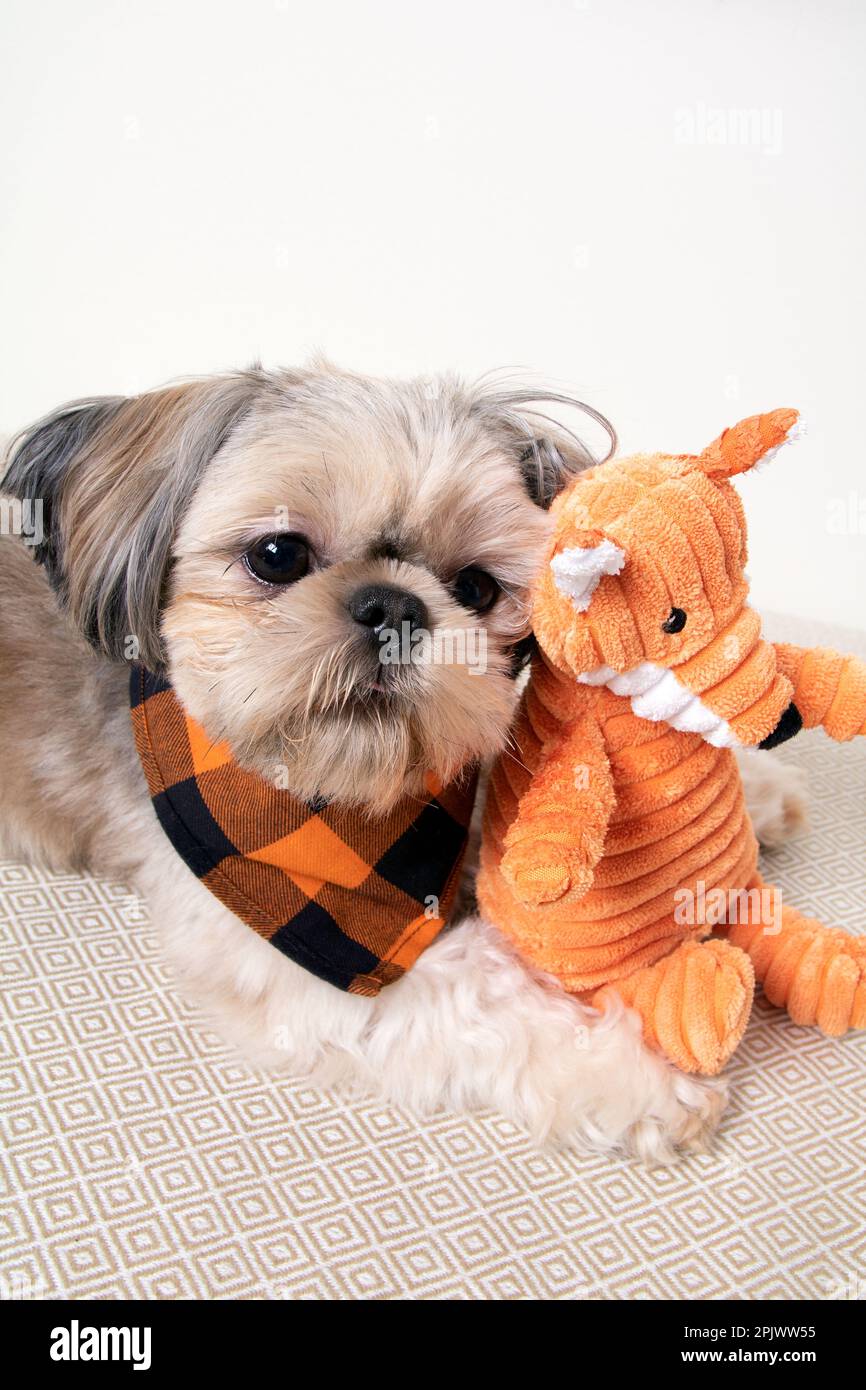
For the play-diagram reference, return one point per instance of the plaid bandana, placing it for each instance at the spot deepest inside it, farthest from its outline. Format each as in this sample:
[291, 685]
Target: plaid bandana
[352, 899]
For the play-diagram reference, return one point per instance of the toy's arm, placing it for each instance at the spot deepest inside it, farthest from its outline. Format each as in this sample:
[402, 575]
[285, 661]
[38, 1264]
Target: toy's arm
[829, 689]
[556, 840]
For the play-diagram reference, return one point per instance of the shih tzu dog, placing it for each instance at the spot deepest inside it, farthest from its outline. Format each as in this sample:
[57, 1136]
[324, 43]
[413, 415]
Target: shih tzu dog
[247, 535]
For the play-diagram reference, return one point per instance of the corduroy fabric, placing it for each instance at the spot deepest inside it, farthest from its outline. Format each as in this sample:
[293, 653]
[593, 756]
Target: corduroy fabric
[352, 898]
[623, 802]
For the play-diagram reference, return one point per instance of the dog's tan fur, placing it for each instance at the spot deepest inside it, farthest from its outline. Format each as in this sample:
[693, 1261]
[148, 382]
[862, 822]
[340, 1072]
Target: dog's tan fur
[68, 770]
[152, 503]
[282, 675]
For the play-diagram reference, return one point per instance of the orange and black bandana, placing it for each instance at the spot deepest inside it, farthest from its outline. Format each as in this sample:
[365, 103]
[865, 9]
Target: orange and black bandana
[354, 900]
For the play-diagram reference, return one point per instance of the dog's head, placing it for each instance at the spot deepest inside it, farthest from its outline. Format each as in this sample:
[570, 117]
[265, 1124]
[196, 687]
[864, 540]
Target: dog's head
[646, 590]
[333, 570]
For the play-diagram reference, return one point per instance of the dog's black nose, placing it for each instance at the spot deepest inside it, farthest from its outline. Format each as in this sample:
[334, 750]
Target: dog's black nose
[790, 724]
[382, 606]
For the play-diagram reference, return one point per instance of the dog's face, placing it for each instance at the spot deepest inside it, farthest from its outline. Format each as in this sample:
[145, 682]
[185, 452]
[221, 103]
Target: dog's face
[333, 531]
[334, 570]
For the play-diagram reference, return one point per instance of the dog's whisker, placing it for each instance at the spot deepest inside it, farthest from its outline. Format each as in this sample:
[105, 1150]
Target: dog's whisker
[513, 757]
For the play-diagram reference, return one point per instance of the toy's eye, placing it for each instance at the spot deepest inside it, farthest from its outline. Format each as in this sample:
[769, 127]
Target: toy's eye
[675, 622]
[280, 559]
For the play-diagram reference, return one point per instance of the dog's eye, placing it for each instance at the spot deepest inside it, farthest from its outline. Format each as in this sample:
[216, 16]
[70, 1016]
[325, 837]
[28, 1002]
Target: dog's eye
[675, 622]
[474, 588]
[280, 559]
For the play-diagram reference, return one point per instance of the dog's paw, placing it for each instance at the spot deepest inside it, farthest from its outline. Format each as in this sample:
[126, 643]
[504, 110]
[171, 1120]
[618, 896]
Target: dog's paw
[775, 796]
[692, 1113]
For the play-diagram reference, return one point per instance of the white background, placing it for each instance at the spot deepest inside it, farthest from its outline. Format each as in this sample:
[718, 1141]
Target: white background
[469, 184]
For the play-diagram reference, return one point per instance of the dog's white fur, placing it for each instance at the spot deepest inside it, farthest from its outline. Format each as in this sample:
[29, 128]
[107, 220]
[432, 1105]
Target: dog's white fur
[469, 1026]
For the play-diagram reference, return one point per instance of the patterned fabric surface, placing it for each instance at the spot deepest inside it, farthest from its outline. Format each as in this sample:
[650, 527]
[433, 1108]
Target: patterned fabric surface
[141, 1158]
[348, 897]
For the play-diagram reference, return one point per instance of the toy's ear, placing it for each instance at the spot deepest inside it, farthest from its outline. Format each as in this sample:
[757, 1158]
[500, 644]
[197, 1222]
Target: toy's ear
[752, 441]
[579, 567]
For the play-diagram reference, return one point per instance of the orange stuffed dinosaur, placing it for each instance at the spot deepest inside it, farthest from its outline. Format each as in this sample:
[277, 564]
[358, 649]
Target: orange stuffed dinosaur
[618, 838]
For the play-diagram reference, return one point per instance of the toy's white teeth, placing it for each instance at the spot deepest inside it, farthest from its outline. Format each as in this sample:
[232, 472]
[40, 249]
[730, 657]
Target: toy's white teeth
[664, 700]
[636, 681]
[696, 718]
[600, 676]
[655, 694]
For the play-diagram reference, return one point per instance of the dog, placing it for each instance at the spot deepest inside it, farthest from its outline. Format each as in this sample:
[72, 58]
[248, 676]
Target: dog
[237, 532]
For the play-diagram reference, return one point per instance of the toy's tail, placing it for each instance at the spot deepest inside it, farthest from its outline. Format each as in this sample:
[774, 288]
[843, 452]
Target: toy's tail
[751, 441]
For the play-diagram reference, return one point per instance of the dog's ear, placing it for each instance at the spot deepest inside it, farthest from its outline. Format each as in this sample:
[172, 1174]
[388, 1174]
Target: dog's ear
[38, 460]
[114, 477]
[547, 465]
[548, 453]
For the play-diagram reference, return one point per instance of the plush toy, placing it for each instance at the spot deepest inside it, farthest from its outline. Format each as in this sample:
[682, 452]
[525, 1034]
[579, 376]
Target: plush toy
[616, 836]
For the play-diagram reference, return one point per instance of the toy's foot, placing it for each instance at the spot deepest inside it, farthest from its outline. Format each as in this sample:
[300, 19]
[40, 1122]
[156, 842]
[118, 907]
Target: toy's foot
[817, 973]
[694, 1003]
[541, 871]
